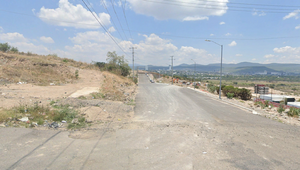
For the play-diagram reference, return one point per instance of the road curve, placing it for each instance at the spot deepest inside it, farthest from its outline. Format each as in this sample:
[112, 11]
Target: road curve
[174, 128]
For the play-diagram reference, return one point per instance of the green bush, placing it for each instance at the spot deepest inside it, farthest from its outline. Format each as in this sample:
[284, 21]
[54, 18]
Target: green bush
[5, 47]
[14, 49]
[294, 112]
[281, 108]
[230, 95]
[211, 88]
[228, 89]
[245, 94]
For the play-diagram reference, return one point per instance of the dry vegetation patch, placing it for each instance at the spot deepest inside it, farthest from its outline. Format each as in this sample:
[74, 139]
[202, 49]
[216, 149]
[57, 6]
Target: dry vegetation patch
[117, 88]
[37, 69]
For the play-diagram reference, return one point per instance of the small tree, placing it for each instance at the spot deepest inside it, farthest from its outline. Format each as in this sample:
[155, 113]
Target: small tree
[4, 47]
[245, 94]
[117, 64]
[14, 49]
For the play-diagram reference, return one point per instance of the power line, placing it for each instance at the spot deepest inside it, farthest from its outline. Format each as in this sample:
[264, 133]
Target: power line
[197, 4]
[118, 18]
[123, 6]
[103, 27]
[204, 38]
[103, 4]
[221, 7]
[249, 4]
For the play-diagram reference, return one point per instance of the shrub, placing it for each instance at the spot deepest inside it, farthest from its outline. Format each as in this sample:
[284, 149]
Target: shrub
[217, 89]
[211, 88]
[4, 47]
[281, 108]
[267, 103]
[76, 74]
[245, 94]
[294, 112]
[14, 49]
[230, 95]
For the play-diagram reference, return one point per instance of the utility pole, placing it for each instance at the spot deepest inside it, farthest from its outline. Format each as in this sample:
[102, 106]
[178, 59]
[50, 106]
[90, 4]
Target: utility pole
[133, 61]
[172, 68]
[220, 66]
[194, 83]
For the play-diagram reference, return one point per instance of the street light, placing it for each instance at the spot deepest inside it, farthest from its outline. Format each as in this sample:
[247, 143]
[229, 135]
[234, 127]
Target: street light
[194, 73]
[221, 65]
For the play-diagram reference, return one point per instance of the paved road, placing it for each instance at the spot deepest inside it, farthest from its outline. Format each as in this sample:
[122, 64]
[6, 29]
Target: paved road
[173, 128]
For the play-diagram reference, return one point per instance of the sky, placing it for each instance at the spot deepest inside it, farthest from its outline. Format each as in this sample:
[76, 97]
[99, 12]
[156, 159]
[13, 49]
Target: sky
[260, 31]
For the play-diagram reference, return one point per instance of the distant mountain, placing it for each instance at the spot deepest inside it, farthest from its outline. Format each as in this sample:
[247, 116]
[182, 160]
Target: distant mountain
[239, 68]
[253, 70]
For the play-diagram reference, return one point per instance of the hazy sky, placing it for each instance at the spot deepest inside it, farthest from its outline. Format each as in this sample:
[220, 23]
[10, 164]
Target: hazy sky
[262, 31]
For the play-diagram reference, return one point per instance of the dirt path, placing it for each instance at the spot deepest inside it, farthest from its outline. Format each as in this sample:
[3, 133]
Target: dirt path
[16, 94]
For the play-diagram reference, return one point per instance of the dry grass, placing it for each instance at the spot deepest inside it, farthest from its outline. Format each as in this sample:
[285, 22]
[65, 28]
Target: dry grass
[37, 69]
[114, 86]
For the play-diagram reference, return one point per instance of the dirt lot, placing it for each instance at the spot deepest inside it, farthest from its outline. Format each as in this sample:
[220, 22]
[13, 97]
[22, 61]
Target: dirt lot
[96, 95]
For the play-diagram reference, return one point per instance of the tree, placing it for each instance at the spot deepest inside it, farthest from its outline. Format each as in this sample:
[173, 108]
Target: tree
[4, 47]
[117, 64]
[14, 49]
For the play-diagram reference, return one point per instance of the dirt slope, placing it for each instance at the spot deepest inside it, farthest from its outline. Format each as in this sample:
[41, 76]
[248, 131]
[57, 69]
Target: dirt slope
[28, 80]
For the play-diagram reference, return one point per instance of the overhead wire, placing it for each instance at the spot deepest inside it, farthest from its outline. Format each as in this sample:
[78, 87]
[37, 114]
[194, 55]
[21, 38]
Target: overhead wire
[177, 36]
[221, 7]
[103, 4]
[197, 4]
[104, 27]
[123, 8]
[113, 6]
[204, 38]
[248, 3]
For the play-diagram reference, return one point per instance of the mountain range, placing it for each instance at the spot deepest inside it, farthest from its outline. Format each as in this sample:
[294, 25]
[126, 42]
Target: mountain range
[239, 68]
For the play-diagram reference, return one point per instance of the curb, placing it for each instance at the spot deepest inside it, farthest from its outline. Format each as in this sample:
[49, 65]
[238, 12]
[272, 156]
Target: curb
[213, 96]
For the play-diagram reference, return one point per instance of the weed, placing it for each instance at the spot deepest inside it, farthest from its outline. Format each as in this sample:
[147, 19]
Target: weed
[280, 121]
[76, 74]
[82, 97]
[281, 108]
[40, 121]
[98, 95]
[131, 102]
[52, 102]
[230, 95]
[295, 112]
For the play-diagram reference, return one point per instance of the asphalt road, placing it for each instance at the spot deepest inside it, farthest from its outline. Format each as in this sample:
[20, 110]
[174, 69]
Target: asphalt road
[173, 128]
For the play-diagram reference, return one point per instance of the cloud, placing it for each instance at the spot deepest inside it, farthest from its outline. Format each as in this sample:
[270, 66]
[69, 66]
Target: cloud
[69, 15]
[258, 13]
[1, 29]
[228, 34]
[239, 55]
[269, 56]
[111, 29]
[12, 37]
[297, 27]
[222, 23]
[180, 10]
[27, 46]
[285, 49]
[195, 18]
[23, 44]
[233, 43]
[212, 35]
[46, 39]
[253, 59]
[285, 54]
[152, 49]
[292, 14]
